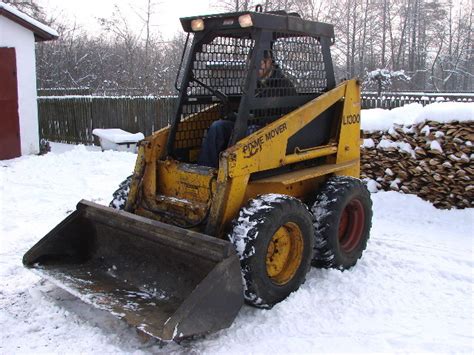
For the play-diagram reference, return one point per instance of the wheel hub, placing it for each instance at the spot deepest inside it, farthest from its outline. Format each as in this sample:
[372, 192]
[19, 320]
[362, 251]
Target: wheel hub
[284, 253]
[351, 225]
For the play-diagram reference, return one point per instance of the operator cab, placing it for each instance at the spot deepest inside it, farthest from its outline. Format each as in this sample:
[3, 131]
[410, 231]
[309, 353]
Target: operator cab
[219, 73]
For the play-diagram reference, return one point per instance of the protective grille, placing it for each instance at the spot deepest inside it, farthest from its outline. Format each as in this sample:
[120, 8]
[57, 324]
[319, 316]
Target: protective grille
[191, 131]
[299, 71]
[301, 60]
[297, 75]
[222, 65]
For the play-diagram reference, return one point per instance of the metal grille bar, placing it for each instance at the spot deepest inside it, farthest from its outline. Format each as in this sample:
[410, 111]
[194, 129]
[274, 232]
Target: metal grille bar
[222, 65]
[299, 75]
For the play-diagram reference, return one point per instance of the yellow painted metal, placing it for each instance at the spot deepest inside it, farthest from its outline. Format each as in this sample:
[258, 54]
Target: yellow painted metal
[266, 148]
[144, 176]
[349, 136]
[284, 253]
[226, 203]
[301, 184]
[222, 192]
[310, 154]
[138, 172]
[185, 181]
[154, 150]
[308, 173]
[159, 181]
[303, 190]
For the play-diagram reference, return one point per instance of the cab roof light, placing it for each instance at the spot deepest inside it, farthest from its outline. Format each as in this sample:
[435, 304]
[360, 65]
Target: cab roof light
[245, 21]
[197, 25]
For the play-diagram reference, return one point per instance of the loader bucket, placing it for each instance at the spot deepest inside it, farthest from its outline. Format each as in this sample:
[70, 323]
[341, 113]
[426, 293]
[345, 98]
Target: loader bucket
[168, 282]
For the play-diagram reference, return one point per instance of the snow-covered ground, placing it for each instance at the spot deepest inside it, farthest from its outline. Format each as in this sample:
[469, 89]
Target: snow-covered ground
[411, 292]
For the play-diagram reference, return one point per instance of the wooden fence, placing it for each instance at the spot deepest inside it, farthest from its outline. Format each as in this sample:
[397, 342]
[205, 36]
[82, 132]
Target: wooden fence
[64, 91]
[391, 100]
[71, 119]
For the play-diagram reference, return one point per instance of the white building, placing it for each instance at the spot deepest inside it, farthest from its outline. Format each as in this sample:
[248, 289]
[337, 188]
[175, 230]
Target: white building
[19, 133]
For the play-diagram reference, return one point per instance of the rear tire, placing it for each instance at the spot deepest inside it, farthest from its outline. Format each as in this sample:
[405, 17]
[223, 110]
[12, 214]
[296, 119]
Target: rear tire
[342, 221]
[120, 196]
[274, 238]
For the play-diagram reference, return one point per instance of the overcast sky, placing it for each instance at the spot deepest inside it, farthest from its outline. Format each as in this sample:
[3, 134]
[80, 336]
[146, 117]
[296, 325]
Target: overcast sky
[165, 19]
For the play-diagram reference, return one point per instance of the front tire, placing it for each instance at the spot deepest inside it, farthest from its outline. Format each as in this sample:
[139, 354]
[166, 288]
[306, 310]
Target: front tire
[274, 238]
[342, 221]
[120, 196]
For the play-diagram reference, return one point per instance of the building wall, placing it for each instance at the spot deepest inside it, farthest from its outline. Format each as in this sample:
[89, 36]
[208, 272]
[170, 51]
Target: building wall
[18, 37]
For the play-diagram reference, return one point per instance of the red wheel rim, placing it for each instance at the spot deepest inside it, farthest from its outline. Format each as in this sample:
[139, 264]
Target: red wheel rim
[351, 226]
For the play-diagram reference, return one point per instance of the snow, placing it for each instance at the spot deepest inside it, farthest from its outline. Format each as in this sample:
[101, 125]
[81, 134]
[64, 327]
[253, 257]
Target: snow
[382, 120]
[372, 185]
[394, 184]
[434, 145]
[410, 292]
[28, 19]
[115, 97]
[117, 135]
[402, 147]
[425, 130]
[368, 143]
[423, 95]
[389, 171]
[386, 76]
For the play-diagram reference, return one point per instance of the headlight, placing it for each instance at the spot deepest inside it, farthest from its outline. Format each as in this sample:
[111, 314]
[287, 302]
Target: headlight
[197, 25]
[245, 21]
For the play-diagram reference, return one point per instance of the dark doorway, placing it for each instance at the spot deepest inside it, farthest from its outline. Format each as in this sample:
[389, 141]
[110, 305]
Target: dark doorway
[10, 146]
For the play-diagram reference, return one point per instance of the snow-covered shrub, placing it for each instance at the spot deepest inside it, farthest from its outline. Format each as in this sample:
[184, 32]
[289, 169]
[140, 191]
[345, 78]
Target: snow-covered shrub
[383, 79]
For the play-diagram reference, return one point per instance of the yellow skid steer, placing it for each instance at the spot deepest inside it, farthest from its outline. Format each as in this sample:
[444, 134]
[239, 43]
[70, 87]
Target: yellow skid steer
[254, 181]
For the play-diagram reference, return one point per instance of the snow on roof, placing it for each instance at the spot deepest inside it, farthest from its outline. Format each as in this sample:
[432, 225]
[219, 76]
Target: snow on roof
[41, 31]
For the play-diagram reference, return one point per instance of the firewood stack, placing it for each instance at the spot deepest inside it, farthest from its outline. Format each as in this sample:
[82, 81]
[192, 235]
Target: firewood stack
[432, 160]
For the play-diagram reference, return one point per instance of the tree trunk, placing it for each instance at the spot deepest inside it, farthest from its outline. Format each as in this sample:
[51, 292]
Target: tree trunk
[384, 30]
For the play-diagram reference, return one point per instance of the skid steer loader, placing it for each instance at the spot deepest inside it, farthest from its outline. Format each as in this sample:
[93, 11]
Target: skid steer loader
[183, 244]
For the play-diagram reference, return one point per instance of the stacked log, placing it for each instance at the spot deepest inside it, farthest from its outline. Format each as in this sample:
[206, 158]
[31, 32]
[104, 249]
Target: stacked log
[432, 160]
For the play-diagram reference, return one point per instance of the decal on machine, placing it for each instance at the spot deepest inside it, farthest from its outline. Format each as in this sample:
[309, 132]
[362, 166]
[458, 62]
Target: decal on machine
[350, 119]
[255, 146]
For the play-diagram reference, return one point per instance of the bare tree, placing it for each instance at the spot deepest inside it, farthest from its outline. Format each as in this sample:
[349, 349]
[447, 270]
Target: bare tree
[430, 39]
[30, 7]
[234, 5]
